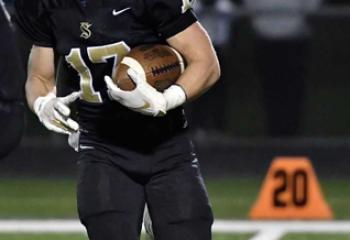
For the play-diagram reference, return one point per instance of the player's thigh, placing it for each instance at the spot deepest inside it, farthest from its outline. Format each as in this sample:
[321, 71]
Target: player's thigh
[12, 124]
[110, 202]
[179, 204]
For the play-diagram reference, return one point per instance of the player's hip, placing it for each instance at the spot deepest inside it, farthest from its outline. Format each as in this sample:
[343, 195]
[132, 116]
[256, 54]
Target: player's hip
[139, 156]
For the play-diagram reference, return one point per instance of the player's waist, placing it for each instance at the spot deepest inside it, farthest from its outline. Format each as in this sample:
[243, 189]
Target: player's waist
[115, 123]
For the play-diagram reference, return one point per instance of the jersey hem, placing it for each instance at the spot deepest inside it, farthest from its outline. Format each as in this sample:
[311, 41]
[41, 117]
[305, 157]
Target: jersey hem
[41, 44]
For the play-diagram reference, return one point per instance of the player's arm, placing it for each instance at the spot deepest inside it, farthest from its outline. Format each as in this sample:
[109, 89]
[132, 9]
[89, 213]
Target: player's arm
[175, 22]
[41, 73]
[203, 69]
[52, 111]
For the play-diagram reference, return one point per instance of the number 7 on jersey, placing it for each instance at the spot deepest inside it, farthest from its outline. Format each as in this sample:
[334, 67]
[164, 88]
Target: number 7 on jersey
[98, 54]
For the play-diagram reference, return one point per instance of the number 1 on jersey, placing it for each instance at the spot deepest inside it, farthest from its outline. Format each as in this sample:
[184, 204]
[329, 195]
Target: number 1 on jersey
[98, 54]
[77, 62]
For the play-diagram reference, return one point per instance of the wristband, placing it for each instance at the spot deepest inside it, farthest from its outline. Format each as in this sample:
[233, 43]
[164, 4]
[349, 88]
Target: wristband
[175, 96]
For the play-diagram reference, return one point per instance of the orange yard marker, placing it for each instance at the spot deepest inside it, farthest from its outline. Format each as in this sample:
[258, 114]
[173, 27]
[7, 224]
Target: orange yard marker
[291, 191]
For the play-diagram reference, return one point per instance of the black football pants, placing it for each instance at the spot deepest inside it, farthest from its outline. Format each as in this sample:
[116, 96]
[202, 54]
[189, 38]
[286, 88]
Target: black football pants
[114, 184]
[12, 124]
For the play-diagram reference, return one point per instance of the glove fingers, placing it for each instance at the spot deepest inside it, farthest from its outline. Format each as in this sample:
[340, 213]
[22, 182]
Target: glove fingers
[62, 109]
[113, 88]
[136, 77]
[67, 124]
[111, 85]
[73, 124]
[55, 128]
[70, 98]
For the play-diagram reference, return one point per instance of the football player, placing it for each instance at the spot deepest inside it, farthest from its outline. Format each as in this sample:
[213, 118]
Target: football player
[11, 93]
[128, 154]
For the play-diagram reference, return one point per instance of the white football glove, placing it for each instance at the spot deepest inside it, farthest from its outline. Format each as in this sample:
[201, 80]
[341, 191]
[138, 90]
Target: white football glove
[53, 112]
[143, 99]
[175, 96]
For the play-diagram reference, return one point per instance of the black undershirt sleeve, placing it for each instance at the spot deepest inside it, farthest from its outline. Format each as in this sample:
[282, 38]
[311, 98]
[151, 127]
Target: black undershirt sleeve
[170, 16]
[32, 18]
[11, 69]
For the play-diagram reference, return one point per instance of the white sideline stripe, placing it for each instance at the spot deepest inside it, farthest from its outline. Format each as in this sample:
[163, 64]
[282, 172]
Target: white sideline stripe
[266, 230]
[274, 230]
[288, 226]
[41, 226]
[269, 234]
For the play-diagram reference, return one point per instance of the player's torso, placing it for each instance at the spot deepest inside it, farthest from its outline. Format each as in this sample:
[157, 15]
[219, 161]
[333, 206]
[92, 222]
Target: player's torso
[92, 39]
[90, 42]
[99, 22]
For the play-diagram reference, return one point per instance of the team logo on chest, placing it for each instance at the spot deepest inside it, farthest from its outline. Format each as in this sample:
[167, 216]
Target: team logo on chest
[85, 30]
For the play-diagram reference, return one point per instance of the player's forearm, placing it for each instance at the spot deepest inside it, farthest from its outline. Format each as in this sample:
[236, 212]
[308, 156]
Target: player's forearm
[199, 77]
[203, 68]
[37, 87]
[41, 74]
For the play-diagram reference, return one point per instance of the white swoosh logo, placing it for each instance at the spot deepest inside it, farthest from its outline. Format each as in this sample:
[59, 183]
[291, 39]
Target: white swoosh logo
[145, 106]
[116, 13]
[83, 147]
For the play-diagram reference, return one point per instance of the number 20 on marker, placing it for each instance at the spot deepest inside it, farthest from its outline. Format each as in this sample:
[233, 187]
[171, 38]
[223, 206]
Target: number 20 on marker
[291, 188]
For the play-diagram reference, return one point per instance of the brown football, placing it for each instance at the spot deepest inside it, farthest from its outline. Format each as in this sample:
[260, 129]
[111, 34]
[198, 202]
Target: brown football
[161, 64]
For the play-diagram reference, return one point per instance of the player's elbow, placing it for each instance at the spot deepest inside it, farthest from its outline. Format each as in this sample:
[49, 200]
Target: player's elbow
[28, 93]
[214, 71]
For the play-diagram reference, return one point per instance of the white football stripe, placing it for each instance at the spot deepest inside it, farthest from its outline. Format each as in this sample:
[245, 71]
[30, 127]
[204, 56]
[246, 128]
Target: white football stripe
[180, 58]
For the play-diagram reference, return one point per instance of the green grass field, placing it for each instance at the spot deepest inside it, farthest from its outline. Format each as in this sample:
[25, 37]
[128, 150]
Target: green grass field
[231, 199]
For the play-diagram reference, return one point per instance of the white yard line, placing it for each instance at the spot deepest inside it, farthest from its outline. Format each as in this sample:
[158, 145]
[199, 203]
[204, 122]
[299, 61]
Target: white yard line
[269, 234]
[290, 226]
[266, 230]
[274, 230]
[41, 226]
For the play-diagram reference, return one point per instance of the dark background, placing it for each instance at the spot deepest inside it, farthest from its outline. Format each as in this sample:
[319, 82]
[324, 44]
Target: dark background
[230, 124]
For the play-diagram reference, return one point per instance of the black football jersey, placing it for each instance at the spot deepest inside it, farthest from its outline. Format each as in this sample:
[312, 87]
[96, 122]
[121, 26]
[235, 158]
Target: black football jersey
[91, 37]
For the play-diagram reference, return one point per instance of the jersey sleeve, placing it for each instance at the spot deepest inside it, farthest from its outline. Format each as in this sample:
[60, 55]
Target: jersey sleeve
[32, 19]
[170, 17]
[11, 72]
